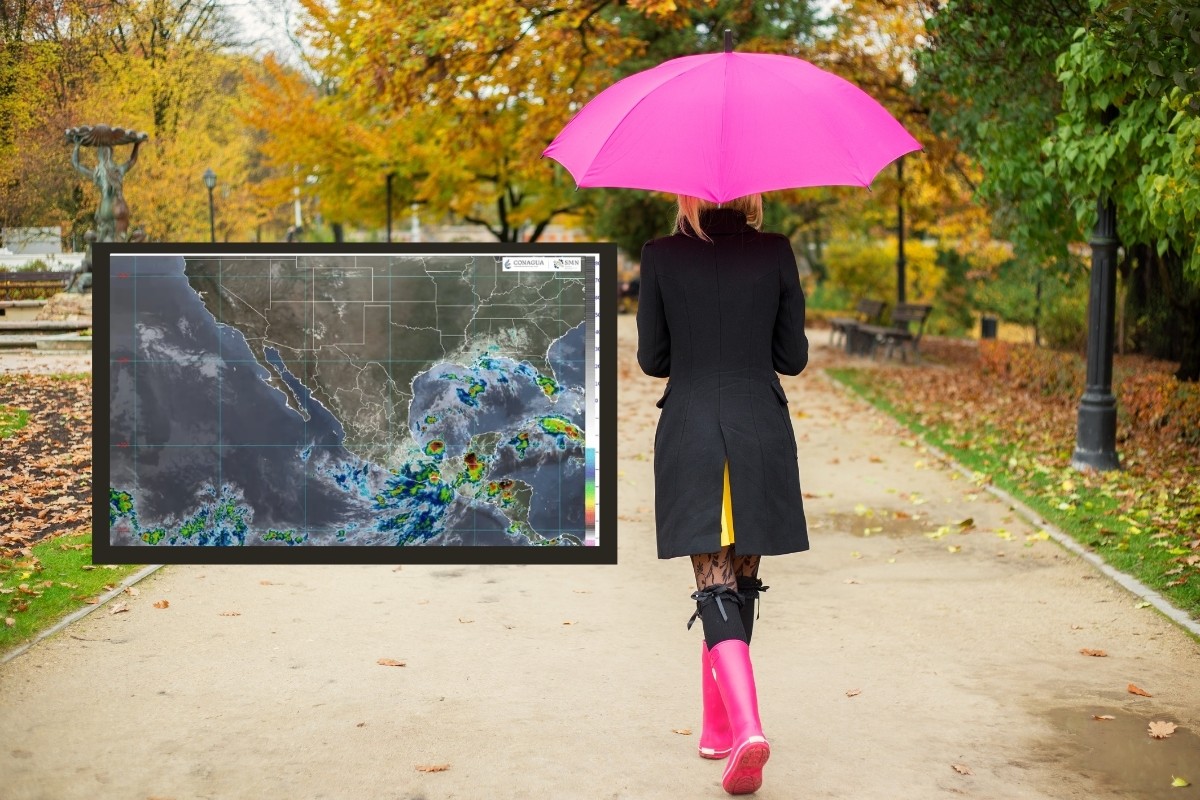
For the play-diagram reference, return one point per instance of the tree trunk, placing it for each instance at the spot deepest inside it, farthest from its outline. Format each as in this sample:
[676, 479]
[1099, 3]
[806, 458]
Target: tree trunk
[339, 234]
[1164, 308]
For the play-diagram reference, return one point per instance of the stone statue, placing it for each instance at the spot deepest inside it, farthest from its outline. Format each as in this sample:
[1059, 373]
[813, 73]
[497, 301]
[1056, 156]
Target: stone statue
[112, 215]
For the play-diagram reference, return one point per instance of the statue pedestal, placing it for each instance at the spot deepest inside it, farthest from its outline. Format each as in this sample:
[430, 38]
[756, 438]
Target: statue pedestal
[66, 307]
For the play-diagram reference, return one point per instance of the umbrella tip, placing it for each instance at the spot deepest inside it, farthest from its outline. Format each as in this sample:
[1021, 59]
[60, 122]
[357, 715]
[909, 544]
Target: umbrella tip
[728, 41]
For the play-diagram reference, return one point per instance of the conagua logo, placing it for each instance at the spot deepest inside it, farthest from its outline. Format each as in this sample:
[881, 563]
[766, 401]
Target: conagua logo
[542, 263]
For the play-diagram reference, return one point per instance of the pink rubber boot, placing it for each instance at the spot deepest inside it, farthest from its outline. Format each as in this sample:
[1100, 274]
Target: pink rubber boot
[714, 732]
[735, 680]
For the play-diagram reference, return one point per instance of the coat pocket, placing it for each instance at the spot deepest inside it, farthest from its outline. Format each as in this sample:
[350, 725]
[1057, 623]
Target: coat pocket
[663, 399]
[787, 420]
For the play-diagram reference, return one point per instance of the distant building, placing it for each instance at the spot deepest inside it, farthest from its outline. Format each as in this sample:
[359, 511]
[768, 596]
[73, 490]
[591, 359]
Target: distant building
[32, 241]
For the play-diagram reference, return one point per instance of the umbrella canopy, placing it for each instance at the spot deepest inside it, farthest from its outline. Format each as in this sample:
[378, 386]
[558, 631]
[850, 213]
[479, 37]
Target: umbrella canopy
[724, 125]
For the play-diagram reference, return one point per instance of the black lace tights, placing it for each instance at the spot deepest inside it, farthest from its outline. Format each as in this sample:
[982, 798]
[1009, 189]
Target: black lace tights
[723, 567]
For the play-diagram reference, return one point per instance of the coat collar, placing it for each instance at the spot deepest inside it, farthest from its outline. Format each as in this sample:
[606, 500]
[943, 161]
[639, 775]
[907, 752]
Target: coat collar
[720, 221]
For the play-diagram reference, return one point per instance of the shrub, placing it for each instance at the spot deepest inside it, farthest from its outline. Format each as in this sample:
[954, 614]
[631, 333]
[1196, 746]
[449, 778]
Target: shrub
[867, 268]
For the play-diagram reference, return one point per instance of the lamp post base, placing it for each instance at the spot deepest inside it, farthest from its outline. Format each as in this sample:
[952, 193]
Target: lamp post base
[1096, 440]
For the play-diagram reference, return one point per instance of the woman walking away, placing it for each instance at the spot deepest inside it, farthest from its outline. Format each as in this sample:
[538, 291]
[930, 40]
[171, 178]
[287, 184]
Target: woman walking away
[720, 312]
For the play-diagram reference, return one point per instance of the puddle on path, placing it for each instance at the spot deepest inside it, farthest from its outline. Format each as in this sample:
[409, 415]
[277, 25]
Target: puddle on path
[882, 523]
[1121, 757]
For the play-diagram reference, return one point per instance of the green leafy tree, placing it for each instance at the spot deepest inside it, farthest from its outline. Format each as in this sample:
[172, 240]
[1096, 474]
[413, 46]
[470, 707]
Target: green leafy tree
[1047, 158]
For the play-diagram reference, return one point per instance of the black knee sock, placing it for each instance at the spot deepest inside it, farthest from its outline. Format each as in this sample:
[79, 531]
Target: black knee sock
[749, 588]
[718, 626]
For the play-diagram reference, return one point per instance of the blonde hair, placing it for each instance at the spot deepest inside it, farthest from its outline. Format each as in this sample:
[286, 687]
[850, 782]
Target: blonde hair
[687, 219]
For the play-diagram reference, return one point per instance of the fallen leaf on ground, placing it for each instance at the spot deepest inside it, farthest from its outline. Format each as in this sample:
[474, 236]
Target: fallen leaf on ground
[682, 731]
[361, 725]
[1179, 782]
[962, 769]
[569, 622]
[465, 621]
[161, 603]
[231, 613]
[1087, 651]
[432, 767]
[1161, 730]
[853, 692]
[1132, 689]
[132, 591]
[1103, 716]
[390, 662]
[954, 548]
[967, 523]
[118, 608]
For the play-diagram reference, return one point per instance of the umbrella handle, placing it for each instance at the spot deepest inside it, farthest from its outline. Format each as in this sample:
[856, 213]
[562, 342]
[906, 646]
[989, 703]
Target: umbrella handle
[728, 41]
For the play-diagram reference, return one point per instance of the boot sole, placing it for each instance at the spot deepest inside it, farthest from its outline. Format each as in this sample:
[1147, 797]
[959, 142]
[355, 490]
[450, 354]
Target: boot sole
[716, 755]
[743, 774]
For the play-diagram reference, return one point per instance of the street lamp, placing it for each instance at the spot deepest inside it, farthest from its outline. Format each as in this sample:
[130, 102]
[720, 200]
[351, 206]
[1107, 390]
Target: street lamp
[390, 176]
[210, 180]
[900, 263]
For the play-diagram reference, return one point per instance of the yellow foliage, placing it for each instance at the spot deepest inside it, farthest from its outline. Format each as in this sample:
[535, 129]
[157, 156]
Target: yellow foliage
[867, 269]
[459, 99]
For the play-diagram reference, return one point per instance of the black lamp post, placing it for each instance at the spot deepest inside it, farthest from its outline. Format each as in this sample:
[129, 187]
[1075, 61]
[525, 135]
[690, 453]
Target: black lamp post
[900, 294]
[390, 176]
[210, 180]
[1096, 432]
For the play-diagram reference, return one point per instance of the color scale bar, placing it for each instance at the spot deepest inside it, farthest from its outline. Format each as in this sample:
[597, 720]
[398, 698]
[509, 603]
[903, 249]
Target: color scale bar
[589, 499]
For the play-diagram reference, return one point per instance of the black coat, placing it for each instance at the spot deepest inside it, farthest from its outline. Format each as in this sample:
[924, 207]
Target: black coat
[719, 319]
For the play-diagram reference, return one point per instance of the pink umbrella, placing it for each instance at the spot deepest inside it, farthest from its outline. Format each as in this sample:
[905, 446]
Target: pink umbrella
[724, 125]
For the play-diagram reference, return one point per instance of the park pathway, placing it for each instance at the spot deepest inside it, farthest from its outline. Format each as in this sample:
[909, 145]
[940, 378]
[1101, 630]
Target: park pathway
[883, 660]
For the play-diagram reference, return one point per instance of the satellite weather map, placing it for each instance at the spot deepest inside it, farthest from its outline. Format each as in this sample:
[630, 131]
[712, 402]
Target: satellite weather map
[381, 399]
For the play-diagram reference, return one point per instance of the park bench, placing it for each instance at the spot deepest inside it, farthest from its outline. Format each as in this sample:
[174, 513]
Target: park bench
[903, 334]
[867, 312]
[32, 285]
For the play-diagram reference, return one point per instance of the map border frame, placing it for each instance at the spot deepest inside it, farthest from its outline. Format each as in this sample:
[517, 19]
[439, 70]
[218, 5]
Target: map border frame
[605, 552]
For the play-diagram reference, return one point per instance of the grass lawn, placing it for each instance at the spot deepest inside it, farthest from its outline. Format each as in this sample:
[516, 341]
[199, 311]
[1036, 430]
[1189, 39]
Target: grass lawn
[1138, 522]
[12, 420]
[56, 579]
[45, 540]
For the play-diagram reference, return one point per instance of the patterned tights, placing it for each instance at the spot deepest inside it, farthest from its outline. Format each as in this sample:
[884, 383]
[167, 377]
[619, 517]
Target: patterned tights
[723, 567]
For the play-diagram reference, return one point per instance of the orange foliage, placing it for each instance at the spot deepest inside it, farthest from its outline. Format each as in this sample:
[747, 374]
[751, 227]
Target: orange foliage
[1149, 400]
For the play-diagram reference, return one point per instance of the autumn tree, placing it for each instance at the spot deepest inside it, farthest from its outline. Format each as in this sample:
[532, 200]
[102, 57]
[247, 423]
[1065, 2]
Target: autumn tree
[458, 100]
[168, 67]
[631, 217]
[42, 65]
[1047, 158]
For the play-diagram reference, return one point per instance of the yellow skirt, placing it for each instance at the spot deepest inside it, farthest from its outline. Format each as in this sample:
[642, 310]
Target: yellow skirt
[726, 512]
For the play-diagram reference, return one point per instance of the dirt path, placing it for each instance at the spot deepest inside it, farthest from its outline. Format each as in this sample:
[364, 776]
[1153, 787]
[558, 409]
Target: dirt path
[968, 657]
[38, 362]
